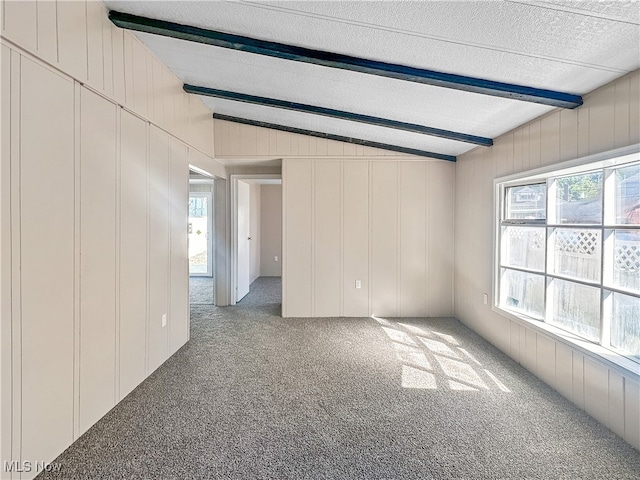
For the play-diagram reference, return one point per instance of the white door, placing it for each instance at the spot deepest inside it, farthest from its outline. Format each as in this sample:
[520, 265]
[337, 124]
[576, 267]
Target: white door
[244, 240]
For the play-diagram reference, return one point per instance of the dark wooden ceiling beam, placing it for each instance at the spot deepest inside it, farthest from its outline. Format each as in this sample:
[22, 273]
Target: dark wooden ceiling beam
[340, 114]
[339, 138]
[345, 62]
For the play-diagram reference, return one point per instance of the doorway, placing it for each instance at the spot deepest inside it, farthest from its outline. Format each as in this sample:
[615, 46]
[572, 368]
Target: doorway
[256, 207]
[200, 239]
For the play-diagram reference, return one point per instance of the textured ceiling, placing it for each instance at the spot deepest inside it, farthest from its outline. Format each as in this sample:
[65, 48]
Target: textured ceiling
[568, 46]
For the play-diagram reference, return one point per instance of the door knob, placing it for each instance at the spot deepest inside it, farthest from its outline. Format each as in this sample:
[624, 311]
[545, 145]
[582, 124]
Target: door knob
[249, 238]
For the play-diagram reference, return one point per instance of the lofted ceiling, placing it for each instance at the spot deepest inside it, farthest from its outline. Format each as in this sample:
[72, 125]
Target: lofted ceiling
[564, 46]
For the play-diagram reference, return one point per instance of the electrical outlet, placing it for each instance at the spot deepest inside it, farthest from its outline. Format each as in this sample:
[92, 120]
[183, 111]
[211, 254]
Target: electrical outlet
[485, 297]
[275, 259]
[358, 284]
[164, 320]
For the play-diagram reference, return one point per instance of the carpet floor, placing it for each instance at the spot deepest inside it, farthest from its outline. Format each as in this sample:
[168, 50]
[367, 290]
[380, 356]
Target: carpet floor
[201, 290]
[256, 396]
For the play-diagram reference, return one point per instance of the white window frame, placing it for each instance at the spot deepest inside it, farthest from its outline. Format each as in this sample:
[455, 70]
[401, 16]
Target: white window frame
[611, 158]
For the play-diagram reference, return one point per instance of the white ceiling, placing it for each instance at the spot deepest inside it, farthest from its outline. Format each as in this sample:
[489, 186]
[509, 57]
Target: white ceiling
[568, 46]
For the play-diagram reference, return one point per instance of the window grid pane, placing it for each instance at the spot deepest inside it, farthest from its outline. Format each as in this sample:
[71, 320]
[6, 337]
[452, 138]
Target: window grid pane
[570, 251]
[526, 202]
[579, 199]
[523, 247]
[627, 195]
[523, 292]
[625, 324]
[626, 259]
[575, 307]
[577, 253]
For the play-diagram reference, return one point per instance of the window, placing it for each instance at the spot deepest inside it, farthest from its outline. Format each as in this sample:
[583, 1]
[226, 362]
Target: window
[568, 251]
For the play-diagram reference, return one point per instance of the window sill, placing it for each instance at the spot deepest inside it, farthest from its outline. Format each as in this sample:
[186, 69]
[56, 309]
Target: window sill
[619, 363]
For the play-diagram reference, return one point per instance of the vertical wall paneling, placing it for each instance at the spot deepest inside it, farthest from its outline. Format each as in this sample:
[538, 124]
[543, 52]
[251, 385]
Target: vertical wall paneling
[273, 150]
[322, 146]
[127, 53]
[107, 52]
[531, 350]
[283, 143]
[327, 234]
[150, 87]
[608, 119]
[77, 91]
[5, 253]
[616, 403]
[534, 144]
[632, 411]
[349, 149]
[117, 41]
[271, 231]
[248, 142]
[47, 31]
[622, 106]
[385, 210]
[384, 238]
[72, 38]
[133, 251]
[546, 359]
[355, 243]
[601, 120]
[98, 257]
[158, 246]
[440, 232]
[75, 201]
[47, 269]
[568, 134]
[298, 236]
[255, 220]
[118, 232]
[596, 390]
[334, 148]
[140, 79]
[95, 53]
[584, 114]
[634, 107]
[550, 138]
[413, 239]
[578, 379]
[514, 340]
[564, 370]
[179, 268]
[157, 94]
[262, 137]
[170, 88]
[16, 302]
[20, 23]
[222, 243]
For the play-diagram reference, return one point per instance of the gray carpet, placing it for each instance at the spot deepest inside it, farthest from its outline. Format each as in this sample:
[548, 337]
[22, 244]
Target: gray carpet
[201, 290]
[253, 395]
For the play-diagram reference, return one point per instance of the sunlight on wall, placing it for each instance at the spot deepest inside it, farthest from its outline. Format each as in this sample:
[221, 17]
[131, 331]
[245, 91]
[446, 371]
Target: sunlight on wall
[432, 360]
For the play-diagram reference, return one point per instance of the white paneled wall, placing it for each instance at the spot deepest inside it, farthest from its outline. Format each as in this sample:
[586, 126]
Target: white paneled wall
[608, 119]
[98, 180]
[44, 232]
[133, 247]
[234, 141]
[78, 38]
[372, 221]
[255, 220]
[97, 137]
[271, 230]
